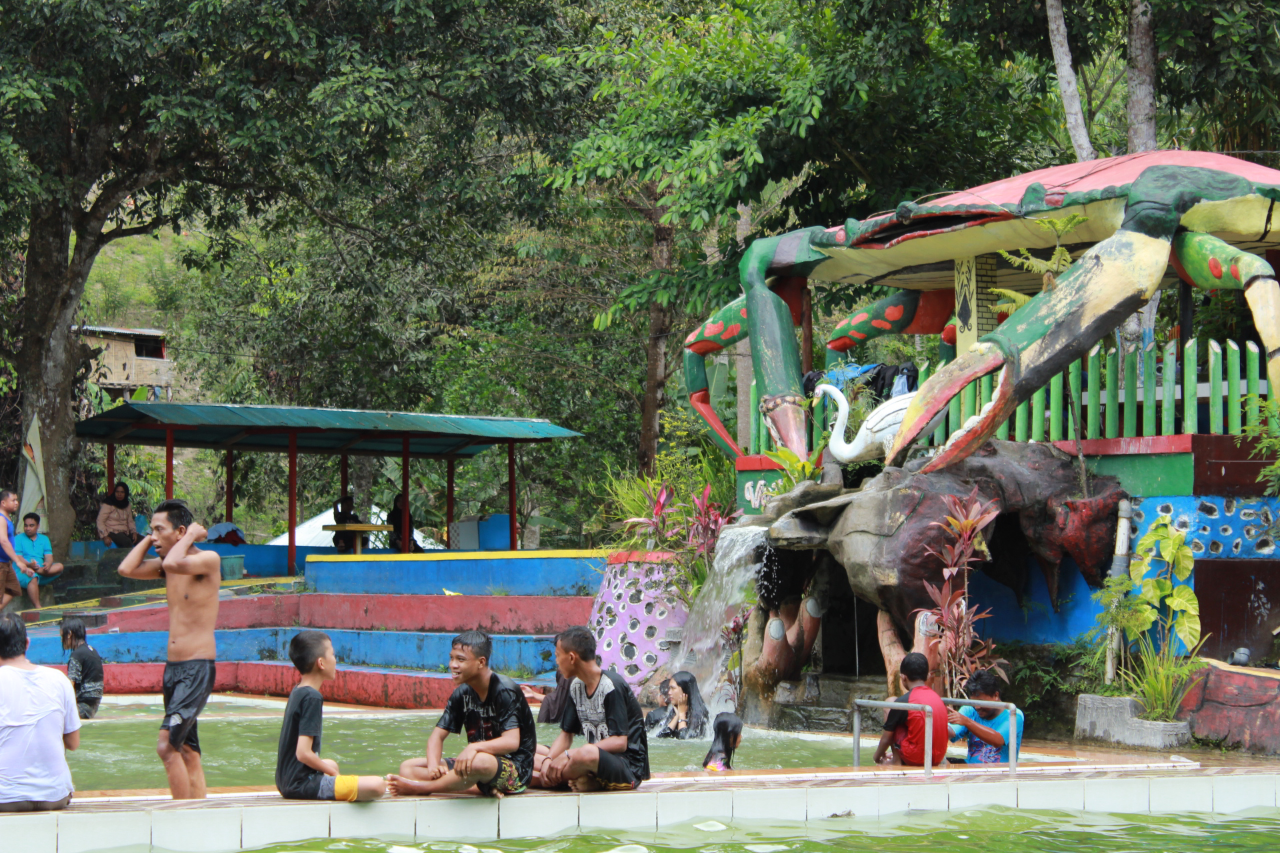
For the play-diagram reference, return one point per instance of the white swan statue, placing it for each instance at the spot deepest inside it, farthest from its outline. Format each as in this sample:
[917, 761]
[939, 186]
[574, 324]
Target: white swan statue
[876, 434]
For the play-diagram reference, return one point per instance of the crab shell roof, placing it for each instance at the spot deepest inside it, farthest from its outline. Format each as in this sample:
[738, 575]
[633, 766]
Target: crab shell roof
[915, 246]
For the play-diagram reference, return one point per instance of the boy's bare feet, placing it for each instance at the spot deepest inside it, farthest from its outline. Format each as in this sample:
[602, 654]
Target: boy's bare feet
[585, 784]
[398, 786]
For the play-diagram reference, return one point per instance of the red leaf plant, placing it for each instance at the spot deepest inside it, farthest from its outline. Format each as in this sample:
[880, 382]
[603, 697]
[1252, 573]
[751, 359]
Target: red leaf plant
[960, 652]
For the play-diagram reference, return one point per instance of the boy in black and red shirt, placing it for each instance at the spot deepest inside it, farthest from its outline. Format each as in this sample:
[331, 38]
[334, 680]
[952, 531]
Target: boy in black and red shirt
[904, 730]
[501, 738]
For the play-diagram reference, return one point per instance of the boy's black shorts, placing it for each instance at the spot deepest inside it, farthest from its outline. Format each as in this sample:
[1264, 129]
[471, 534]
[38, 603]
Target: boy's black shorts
[187, 685]
[614, 774]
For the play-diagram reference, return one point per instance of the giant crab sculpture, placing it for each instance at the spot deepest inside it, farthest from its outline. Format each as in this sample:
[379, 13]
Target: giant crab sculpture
[1199, 216]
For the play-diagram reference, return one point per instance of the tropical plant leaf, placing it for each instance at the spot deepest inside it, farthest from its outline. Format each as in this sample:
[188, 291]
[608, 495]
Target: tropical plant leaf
[1184, 599]
[1187, 628]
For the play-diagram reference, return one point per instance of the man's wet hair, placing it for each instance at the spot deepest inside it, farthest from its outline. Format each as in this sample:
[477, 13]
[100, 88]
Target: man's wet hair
[664, 686]
[178, 513]
[477, 641]
[915, 667]
[73, 627]
[306, 648]
[984, 682]
[5, 494]
[578, 640]
[13, 636]
[32, 516]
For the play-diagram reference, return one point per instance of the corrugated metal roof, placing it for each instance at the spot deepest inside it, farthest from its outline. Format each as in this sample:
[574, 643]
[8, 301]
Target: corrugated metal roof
[117, 330]
[320, 431]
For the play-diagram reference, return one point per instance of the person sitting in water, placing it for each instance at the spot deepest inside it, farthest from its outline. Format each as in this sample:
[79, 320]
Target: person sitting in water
[115, 519]
[904, 730]
[603, 709]
[38, 722]
[301, 774]
[33, 546]
[501, 738]
[726, 736]
[985, 729]
[84, 667]
[658, 715]
[396, 519]
[344, 512]
[687, 716]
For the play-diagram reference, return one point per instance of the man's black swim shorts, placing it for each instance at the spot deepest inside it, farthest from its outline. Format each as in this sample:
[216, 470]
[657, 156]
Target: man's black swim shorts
[187, 685]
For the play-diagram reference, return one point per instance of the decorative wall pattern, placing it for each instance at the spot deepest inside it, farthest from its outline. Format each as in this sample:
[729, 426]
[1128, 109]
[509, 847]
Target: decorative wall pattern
[1219, 527]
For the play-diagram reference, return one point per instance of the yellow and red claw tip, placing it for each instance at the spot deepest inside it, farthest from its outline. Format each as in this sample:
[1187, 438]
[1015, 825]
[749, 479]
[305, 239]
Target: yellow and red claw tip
[936, 394]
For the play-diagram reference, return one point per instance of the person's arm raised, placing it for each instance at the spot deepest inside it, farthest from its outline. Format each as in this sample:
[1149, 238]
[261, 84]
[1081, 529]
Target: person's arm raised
[136, 565]
[180, 560]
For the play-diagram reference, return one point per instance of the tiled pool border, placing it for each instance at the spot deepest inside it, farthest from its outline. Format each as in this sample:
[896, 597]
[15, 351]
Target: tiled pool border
[237, 822]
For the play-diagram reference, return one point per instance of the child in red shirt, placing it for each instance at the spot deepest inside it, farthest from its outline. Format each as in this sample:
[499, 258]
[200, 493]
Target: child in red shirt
[904, 730]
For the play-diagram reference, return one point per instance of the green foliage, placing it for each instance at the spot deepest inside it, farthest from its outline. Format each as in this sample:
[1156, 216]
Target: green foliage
[1173, 609]
[1159, 678]
[1266, 446]
[1061, 257]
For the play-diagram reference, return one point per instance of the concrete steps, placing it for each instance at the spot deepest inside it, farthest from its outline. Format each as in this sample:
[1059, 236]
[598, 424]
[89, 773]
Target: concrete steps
[820, 702]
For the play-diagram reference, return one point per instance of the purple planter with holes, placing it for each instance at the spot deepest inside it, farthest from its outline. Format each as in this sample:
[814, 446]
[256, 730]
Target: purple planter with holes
[633, 612]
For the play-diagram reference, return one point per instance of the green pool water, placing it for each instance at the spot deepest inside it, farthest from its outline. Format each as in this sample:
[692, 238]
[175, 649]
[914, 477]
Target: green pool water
[984, 831]
[118, 751]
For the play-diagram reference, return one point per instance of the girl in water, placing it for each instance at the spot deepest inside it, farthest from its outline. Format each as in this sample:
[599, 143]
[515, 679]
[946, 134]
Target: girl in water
[726, 736]
[688, 715]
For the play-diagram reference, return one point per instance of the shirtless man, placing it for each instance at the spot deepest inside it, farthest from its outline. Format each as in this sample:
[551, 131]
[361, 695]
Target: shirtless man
[192, 578]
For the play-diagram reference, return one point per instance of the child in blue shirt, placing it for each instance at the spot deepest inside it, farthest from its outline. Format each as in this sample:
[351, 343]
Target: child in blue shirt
[986, 729]
[33, 546]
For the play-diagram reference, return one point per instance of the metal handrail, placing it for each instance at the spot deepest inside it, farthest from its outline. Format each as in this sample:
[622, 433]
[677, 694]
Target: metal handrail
[1013, 723]
[859, 704]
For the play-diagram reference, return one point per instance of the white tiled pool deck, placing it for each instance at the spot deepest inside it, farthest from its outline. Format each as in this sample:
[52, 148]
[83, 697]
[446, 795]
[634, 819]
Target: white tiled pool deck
[244, 819]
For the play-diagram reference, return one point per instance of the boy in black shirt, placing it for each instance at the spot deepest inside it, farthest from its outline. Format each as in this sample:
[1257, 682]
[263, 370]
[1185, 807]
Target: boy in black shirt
[604, 710]
[301, 774]
[501, 738]
[84, 667]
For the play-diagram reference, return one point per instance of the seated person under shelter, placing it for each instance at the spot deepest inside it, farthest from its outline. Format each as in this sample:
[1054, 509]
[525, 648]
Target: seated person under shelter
[905, 730]
[501, 738]
[38, 722]
[396, 519]
[115, 518]
[33, 546]
[985, 729]
[301, 774]
[344, 512]
[603, 709]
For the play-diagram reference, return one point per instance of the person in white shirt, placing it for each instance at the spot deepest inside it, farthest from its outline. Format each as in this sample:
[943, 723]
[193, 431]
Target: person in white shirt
[38, 721]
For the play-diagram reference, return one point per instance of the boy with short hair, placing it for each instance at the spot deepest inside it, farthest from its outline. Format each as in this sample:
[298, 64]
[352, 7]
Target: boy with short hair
[301, 774]
[501, 738]
[986, 729]
[33, 546]
[11, 562]
[604, 710]
[905, 730]
[84, 667]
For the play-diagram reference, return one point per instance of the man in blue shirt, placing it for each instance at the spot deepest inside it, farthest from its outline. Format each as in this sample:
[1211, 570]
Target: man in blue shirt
[33, 547]
[10, 562]
[986, 729]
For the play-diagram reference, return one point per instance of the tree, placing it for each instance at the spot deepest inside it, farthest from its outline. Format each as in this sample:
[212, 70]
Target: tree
[1077, 125]
[118, 118]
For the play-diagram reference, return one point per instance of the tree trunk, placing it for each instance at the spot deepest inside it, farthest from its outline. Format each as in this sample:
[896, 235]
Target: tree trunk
[52, 355]
[1077, 127]
[1141, 75]
[655, 352]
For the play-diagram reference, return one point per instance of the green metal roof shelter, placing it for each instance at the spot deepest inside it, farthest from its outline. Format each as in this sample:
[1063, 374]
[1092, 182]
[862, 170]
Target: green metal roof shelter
[324, 432]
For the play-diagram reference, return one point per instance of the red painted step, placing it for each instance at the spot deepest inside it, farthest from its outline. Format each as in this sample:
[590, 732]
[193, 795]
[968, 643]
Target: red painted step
[497, 614]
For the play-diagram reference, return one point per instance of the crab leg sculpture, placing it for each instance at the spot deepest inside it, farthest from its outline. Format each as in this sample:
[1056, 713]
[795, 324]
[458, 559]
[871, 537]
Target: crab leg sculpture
[1150, 218]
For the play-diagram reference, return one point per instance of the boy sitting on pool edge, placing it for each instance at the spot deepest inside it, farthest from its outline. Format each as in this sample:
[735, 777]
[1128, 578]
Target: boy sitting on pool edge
[301, 774]
[985, 729]
[501, 738]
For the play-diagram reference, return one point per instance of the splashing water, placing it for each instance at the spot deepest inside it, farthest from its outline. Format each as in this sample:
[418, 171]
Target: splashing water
[739, 554]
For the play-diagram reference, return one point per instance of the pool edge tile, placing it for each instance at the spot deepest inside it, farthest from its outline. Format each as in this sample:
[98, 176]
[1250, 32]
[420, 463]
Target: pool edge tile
[1181, 794]
[37, 833]
[444, 819]
[679, 806]
[1051, 794]
[1239, 792]
[634, 810]
[263, 825]
[83, 832]
[976, 794]
[771, 803]
[899, 798]
[535, 816]
[1126, 795]
[389, 818]
[196, 830]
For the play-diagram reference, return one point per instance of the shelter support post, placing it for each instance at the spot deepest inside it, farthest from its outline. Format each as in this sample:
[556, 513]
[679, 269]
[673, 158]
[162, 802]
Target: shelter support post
[293, 504]
[806, 329]
[111, 467]
[511, 493]
[448, 504]
[406, 535]
[231, 485]
[342, 467]
[168, 464]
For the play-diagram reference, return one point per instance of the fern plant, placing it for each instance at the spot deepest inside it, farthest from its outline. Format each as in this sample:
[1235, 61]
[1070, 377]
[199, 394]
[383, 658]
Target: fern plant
[1061, 257]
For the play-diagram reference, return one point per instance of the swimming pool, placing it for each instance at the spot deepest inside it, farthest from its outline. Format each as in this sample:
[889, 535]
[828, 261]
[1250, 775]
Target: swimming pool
[239, 737]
